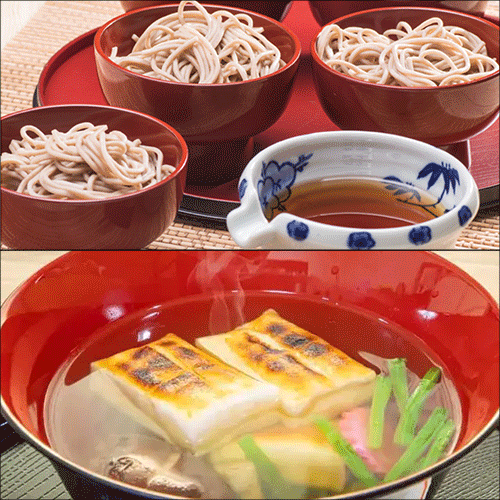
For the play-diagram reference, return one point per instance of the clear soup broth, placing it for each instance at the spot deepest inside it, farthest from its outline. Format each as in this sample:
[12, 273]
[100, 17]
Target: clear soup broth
[363, 203]
[115, 444]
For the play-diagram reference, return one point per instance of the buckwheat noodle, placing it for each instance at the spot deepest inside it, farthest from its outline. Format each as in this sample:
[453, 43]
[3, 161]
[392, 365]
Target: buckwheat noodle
[194, 46]
[84, 163]
[429, 55]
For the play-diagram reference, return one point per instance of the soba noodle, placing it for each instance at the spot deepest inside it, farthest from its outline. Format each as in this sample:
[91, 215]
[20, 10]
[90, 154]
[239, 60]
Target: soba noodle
[194, 46]
[429, 55]
[84, 163]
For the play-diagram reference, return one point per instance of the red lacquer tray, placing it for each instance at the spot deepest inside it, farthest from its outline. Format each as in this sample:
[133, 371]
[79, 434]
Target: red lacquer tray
[70, 77]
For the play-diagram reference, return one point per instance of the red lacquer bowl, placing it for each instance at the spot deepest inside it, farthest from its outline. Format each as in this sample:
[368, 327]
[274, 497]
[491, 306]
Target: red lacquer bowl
[216, 120]
[325, 11]
[275, 9]
[436, 115]
[346, 297]
[129, 221]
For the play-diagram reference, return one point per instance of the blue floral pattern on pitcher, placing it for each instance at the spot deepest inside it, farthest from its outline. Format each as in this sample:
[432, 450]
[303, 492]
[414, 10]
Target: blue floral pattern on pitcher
[297, 230]
[420, 235]
[361, 240]
[464, 215]
[242, 188]
[276, 181]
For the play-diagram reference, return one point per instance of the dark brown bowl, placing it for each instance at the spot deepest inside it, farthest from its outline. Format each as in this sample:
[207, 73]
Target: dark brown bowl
[276, 9]
[216, 120]
[129, 221]
[437, 115]
[326, 11]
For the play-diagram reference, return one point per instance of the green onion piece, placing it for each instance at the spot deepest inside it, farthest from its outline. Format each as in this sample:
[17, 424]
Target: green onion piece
[417, 447]
[397, 372]
[441, 440]
[346, 451]
[419, 464]
[405, 429]
[381, 395]
[272, 482]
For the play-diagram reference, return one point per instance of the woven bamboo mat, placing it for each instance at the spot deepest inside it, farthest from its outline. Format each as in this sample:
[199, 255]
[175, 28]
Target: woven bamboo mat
[59, 22]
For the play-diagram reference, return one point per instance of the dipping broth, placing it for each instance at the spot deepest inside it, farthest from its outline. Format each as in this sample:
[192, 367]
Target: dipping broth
[118, 444]
[362, 203]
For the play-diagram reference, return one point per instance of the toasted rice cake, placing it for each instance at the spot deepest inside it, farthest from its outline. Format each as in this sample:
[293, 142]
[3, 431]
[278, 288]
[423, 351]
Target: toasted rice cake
[199, 401]
[303, 456]
[312, 375]
[311, 350]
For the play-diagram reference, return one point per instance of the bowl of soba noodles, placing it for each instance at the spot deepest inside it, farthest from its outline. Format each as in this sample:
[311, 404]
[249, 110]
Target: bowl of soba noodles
[219, 75]
[276, 9]
[301, 375]
[325, 11]
[88, 177]
[428, 74]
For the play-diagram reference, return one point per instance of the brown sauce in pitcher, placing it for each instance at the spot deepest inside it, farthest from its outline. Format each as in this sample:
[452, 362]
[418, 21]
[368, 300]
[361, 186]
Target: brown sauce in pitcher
[362, 203]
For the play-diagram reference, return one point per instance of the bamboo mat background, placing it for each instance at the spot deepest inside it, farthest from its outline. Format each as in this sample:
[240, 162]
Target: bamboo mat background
[59, 22]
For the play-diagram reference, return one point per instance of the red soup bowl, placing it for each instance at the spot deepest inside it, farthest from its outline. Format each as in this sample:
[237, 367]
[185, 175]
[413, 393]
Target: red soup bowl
[275, 9]
[325, 11]
[422, 308]
[126, 221]
[217, 120]
[436, 115]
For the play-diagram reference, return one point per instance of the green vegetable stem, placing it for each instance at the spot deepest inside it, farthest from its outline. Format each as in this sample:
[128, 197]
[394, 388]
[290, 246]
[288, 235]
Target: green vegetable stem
[418, 446]
[381, 396]
[346, 451]
[272, 482]
[442, 438]
[405, 429]
[397, 372]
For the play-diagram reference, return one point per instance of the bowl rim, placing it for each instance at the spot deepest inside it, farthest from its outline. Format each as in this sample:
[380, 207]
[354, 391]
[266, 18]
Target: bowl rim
[470, 196]
[382, 488]
[295, 57]
[396, 88]
[113, 199]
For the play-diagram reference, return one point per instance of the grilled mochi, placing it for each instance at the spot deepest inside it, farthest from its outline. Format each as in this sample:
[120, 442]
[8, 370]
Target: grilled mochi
[195, 399]
[303, 456]
[312, 375]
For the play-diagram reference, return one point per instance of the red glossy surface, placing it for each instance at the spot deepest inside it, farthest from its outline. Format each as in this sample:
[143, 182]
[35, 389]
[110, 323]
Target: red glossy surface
[130, 221]
[85, 294]
[325, 11]
[303, 114]
[275, 9]
[437, 115]
[203, 114]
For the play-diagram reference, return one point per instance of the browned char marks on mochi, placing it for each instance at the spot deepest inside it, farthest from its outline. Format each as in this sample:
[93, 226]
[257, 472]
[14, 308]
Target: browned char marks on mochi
[155, 373]
[183, 383]
[275, 365]
[193, 359]
[293, 337]
[144, 366]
